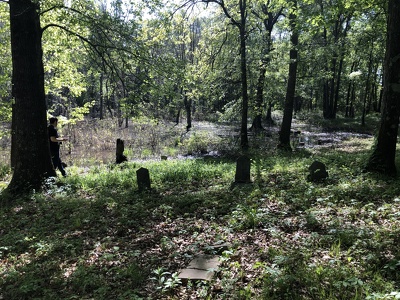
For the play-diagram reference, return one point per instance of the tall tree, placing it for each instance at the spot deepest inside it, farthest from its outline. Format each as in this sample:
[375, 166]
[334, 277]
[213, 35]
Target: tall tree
[30, 146]
[268, 18]
[284, 134]
[239, 21]
[30, 154]
[382, 159]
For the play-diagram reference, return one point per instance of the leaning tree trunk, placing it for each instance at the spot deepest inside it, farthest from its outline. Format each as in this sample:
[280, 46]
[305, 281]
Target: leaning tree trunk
[30, 145]
[382, 159]
[284, 134]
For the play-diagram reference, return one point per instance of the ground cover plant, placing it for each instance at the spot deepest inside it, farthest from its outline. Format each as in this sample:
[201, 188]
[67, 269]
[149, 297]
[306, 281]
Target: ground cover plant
[92, 235]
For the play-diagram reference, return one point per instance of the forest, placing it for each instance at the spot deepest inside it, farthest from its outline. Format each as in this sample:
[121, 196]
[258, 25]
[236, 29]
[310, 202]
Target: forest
[192, 87]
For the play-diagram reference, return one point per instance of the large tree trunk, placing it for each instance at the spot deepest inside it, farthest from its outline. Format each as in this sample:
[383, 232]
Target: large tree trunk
[29, 138]
[284, 134]
[382, 159]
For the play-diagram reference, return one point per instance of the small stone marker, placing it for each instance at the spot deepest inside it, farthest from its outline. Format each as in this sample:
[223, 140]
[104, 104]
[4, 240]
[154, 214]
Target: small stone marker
[317, 171]
[202, 267]
[143, 179]
[242, 170]
[119, 153]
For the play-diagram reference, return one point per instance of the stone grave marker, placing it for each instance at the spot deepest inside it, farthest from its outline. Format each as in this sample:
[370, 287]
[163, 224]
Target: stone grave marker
[143, 179]
[317, 172]
[119, 153]
[202, 267]
[243, 170]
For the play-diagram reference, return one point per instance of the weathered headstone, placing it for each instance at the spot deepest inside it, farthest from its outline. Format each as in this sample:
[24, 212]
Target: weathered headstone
[317, 171]
[143, 179]
[243, 170]
[120, 157]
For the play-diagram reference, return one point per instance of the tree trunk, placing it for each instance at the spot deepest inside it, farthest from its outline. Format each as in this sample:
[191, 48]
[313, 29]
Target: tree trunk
[337, 89]
[331, 114]
[284, 134]
[30, 144]
[349, 91]
[119, 153]
[382, 159]
[340, 67]
[268, 117]
[257, 124]
[244, 140]
[178, 117]
[188, 107]
[366, 107]
[352, 101]
[269, 20]
[101, 96]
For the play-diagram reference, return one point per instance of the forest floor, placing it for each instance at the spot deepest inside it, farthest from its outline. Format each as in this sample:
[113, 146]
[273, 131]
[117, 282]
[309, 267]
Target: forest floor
[92, 235]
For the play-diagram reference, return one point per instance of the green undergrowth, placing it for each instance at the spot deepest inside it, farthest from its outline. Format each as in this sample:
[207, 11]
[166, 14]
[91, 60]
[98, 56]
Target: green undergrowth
[93, 235]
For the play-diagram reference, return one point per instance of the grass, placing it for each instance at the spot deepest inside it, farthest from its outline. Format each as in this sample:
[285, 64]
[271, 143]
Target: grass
[92, 235]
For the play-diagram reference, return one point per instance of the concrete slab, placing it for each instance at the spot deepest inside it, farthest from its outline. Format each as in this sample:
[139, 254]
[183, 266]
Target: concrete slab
[196, 274]
[202, 267]
[204, 262]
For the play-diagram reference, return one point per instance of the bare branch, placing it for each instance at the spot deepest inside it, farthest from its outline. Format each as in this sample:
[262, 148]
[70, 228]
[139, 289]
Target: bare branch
[221, 4]
[51, 8]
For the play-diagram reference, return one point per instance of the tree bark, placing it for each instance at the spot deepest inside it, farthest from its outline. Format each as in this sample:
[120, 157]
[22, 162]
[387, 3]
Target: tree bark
[269, 20]
[257, 121]
[244, 140]
[119, 153]
[188, 107]
[101, 96]
[30, 145]
[284, 134]
[382, 159]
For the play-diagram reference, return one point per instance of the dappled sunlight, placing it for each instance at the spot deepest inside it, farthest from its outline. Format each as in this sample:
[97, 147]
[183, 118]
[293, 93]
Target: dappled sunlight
[95, 234]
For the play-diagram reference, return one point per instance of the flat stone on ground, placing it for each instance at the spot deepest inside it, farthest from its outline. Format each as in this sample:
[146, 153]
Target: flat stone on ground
[201, 267]
[204, 262]
[195, 274]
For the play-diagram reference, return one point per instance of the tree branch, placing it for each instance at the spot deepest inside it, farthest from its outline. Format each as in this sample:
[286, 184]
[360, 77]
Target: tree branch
[221, 4]
[51, 8]
[95, 47]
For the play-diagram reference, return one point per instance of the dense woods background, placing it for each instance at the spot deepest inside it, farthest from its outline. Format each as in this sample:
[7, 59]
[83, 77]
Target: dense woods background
[126, 60]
